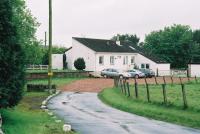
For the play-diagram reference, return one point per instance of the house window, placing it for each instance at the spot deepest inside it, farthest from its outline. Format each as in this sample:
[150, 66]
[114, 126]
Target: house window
[142, 65]
[125, 60]
[147, 66]
[101, 60]
[112, 60]
[132, 60]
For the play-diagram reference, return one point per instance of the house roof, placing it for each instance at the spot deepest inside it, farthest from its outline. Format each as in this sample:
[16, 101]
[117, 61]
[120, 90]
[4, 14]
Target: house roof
[101, 45]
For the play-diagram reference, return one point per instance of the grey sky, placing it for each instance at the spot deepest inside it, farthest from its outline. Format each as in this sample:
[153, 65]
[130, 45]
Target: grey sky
[105, 18]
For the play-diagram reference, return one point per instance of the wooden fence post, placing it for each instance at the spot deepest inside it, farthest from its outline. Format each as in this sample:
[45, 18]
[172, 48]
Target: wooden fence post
[164, 80]
[121, 85]
[172, 80]
[156, 80]
[185, 105]
[164, 93]
[196, 79]
[148, 94]
[128, 89]
[180, 80]
[136, 89]
[124, 84]
[145, 78]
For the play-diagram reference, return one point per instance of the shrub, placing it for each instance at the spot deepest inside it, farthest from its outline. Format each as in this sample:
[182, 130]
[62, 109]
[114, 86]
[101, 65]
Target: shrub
[79, 64]
[12, 58]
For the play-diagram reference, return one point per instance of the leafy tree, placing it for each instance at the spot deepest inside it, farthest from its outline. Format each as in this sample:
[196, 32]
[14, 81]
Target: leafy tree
[79, 64]
[11, 57]
[174, 44]
[196, 46]
[196, 36]
[26, 26]
[127, 37]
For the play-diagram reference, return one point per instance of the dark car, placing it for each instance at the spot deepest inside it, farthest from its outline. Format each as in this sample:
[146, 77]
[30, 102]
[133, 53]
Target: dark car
[148, 72]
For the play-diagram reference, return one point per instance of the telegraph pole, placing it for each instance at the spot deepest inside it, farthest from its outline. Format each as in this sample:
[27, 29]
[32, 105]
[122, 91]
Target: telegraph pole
[50, 74]
[45, 40]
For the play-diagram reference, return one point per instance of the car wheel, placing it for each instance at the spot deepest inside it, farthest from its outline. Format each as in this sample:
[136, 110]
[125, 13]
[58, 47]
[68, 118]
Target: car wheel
[121, 77]
[136, 76]
[105, 76]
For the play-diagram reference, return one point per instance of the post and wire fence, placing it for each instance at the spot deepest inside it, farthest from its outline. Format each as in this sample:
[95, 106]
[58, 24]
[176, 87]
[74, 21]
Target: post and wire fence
[133, 90]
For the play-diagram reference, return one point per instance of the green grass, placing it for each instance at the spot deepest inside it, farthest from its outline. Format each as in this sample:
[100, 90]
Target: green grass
[28, 118]
[56, 81]
[172, 112]
[46, 71]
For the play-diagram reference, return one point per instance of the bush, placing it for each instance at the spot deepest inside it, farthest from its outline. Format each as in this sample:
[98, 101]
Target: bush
[12, 55]
[79, 64]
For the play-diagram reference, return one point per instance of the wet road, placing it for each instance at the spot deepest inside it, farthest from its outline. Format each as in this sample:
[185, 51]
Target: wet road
[88, 115]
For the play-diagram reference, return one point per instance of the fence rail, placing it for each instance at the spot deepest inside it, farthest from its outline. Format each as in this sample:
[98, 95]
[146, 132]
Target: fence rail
[37, 67]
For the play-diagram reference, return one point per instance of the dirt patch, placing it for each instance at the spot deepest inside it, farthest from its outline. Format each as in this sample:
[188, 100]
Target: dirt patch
[98, 84]
[88, 85]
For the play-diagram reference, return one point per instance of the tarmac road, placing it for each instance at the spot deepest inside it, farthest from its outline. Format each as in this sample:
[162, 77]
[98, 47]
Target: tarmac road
[88, 115]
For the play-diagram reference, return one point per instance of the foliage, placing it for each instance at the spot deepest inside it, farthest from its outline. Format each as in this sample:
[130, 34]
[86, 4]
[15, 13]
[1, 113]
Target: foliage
[174, 44]
[27, 26]
[156, 109]
[196, 48]
[127, 37]
[79, 64]
[11, 57]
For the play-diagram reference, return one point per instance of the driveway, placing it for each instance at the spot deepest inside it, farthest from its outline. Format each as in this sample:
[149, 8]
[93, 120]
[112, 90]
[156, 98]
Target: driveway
[88, 115]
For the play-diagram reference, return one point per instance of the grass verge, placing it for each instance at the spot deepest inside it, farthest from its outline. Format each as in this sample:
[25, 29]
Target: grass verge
[28, 118]
[172, 112]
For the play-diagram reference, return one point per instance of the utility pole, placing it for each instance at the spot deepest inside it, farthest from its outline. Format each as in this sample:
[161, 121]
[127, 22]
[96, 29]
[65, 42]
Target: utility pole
[45, 40]
[50, 73]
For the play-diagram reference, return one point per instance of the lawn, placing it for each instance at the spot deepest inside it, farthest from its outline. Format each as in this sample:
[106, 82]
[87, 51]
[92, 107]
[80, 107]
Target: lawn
[28, 118]
[56, 81]
[171, 112]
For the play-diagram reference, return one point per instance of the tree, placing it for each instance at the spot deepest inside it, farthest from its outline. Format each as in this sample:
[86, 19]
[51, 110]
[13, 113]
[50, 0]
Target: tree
[11, 58]
[174, 44]
[79, 64]
[196, 46]
[127, 37]
[26, 26]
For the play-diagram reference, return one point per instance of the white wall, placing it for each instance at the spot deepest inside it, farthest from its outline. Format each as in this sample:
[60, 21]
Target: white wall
[163, 69]
[118, 62]
[140, 59]
[194, 70]
[80, 51]
[57, 61]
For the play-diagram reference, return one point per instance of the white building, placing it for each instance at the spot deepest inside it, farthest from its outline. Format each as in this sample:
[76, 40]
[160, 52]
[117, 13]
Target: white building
[100, 54]
[57, 61]
[194, 69]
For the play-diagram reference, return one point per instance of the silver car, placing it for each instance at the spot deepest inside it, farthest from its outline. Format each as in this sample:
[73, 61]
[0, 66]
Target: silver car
[110, 72]
[136, 73]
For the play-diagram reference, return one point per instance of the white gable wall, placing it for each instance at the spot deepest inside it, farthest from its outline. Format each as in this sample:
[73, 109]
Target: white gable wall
[80, 51]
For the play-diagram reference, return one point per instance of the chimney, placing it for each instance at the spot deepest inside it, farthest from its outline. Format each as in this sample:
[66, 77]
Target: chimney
[118, 41]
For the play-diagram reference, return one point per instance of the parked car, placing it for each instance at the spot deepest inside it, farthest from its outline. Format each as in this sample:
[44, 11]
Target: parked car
[110, 72]
[148, 72]
[136, 73]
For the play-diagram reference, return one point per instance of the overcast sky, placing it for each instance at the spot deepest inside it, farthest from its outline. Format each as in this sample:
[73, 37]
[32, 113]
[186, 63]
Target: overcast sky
[105, 18]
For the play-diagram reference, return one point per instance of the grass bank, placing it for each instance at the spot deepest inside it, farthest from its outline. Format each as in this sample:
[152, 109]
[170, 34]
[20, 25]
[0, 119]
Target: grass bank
[28, 118]
[172, 112]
